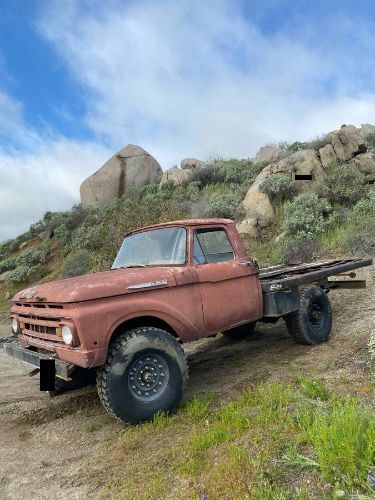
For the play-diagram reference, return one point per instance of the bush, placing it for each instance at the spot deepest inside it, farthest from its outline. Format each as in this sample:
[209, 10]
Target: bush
[88, 236]
[360, 240]
[205, 176]
[241, 172]
[76, 264]
[318, 142]
[7, 264]
[306, 216]
[278, 187]
[19, 275]
[364, 209]
[345, 184]
[370, 140]
[32, 257]
[303, 250]
[228, 205]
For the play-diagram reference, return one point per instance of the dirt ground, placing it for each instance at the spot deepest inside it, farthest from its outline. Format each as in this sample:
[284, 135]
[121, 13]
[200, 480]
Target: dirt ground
[47, 444]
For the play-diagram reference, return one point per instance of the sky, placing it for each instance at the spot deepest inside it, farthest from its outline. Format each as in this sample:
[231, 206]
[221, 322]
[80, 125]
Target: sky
[80, 79]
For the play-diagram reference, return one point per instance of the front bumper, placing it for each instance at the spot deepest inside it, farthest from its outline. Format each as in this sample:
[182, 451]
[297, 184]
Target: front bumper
[33, 358]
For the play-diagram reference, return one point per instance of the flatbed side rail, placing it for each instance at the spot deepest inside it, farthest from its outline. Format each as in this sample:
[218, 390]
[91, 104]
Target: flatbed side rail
[281, 278]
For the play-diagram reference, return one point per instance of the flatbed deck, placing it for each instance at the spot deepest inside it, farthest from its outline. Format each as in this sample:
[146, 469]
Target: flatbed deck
[281, 277]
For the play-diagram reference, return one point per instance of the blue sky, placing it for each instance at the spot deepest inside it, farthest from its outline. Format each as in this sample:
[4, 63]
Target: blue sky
[80, 79]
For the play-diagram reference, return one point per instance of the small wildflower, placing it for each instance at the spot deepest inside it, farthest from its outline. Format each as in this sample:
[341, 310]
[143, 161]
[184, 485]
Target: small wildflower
[372, 480]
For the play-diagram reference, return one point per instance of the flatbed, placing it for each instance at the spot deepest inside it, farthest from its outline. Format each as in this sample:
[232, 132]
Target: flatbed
[283, 277]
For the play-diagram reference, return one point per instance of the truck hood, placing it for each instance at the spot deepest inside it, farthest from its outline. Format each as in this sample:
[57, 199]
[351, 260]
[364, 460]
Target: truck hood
[98, 285]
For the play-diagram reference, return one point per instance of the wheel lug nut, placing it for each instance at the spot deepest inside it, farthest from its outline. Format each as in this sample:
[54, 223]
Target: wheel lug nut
[133, 386]
[154, 390]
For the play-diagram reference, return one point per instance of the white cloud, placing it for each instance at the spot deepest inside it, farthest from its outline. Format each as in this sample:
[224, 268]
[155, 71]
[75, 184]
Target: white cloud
[195, 78]
[46, 179]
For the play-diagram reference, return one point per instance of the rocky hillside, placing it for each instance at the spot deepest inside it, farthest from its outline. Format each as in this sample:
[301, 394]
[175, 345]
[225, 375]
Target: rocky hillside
[292, 202]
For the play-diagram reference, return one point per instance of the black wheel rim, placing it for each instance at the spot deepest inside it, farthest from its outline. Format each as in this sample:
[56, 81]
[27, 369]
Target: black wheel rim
[148, 377]
[316, 317]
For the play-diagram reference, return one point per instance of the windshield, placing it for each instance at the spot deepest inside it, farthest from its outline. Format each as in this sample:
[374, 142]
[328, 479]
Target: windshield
[165, 246]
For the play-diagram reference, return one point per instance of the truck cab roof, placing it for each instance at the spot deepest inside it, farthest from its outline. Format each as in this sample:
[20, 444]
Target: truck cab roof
[185, 223]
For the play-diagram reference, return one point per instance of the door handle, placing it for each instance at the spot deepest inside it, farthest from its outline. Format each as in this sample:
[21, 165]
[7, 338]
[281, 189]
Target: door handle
[251, 262]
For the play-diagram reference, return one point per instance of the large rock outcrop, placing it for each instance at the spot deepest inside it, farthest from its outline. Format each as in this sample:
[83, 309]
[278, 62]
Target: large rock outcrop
[347, 142]
[192, 163]
[366, 164]
[178, 176]
[131, 167]
[267, 153]
[343, 145]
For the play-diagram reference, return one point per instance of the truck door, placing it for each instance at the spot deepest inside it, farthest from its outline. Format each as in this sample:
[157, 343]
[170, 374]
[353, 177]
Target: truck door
[228, 285]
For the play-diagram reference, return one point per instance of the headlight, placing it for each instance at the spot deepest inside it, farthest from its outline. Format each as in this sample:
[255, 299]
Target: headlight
[14, 325]
[67, 335]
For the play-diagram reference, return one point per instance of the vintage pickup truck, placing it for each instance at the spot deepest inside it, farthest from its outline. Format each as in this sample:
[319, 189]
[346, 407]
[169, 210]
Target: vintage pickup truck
[170, 283]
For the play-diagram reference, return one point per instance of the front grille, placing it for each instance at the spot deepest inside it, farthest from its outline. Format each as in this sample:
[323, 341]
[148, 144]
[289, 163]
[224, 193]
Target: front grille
[40, 329]
[35, 323]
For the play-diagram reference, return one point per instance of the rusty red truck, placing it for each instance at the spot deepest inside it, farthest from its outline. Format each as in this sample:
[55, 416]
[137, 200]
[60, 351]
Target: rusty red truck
[170, 283]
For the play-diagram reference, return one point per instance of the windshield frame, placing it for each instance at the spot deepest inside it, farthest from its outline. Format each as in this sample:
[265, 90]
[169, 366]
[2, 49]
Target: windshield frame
[146, 230]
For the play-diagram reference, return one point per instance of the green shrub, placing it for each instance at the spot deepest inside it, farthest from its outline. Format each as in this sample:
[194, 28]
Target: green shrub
[25, 274]
[364, 210]
[306, 216]
[77, 263]
[227, 205]
[19, 275]
[302, 250]
[205, 176]
[360, 240]
[293, 147]
[318, 142]
[278, 187]
[241, 172]
[7, 264]
[370, 140]
[89, 235]
[345, 184]
[32, 257]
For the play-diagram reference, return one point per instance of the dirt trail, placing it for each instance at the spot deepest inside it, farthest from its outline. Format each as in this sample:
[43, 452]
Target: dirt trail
[45, 442]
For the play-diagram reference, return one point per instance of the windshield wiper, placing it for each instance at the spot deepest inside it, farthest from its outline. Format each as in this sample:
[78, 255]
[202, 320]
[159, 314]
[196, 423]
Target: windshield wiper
[128, 267]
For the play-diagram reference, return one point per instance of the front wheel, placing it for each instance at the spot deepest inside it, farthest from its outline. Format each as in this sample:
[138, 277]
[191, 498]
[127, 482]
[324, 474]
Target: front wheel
[312, 323]
[145, 373]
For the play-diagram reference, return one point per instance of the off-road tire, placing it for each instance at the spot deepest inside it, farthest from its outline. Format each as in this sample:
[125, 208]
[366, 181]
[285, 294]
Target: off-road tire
[312, 323]
[80, 377]
[122, 388]
[240, 332]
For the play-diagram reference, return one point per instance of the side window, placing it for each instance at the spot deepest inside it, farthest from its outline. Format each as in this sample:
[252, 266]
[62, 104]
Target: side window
[212, 245]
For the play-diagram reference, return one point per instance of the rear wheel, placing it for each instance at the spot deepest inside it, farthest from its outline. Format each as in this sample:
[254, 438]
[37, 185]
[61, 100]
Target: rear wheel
[145, 373]
[241, 332]
[312, 323]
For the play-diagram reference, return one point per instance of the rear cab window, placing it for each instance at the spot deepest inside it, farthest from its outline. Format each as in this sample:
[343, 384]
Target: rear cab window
[211, 245]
